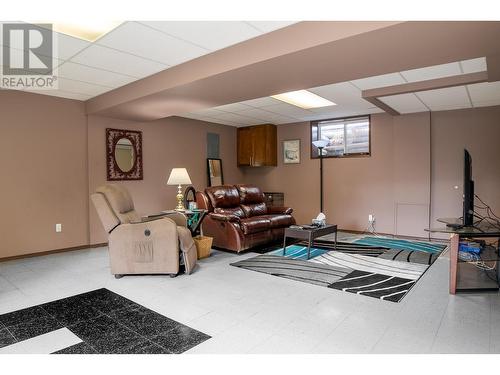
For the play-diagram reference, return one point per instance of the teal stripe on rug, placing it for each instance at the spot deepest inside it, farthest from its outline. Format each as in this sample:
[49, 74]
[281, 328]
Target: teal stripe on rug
[298, 252]
[401, 244]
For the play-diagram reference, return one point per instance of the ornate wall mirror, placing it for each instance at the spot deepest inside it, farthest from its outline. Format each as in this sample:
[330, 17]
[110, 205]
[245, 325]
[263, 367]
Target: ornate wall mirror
[214, 169]
[124, 154]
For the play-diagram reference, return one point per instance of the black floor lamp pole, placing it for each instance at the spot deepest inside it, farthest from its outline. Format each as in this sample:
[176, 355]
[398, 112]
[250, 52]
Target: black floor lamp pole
[320, 178]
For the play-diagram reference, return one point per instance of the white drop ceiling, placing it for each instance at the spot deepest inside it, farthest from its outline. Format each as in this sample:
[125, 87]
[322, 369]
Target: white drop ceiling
[347, 96]
[87, 69]
[131, 52]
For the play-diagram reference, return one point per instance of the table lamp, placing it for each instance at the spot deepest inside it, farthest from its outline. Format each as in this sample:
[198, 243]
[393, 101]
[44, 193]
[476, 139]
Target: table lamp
[179, 176]
[321, 144]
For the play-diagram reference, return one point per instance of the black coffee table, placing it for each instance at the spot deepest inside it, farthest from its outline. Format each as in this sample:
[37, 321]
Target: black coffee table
[309, 234]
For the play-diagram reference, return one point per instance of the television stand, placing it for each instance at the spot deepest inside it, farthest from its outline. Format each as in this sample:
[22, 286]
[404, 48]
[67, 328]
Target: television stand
[464, 275]
[452, 222]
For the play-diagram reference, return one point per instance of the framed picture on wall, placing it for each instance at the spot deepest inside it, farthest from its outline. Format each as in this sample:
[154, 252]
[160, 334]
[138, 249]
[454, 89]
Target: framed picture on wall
[291, 151]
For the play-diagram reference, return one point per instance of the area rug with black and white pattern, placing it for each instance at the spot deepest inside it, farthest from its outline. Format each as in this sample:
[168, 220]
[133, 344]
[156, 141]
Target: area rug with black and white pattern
[383, 268]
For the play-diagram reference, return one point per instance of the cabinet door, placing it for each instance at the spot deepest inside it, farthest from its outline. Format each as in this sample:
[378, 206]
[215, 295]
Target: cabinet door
[245, 147]
[259, 142]
[264, 146]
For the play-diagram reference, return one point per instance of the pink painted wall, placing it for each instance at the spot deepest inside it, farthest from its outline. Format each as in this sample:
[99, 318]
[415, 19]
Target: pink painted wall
[478, 130]
[407, 182]
[353, 187]
[43, 153]
[52, 157]
[167, 143]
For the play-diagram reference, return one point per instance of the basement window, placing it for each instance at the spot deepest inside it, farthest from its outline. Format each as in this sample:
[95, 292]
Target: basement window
[349, 136]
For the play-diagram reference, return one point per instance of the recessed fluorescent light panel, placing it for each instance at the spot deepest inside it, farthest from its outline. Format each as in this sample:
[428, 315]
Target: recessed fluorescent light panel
[90, 30]
[303, 99]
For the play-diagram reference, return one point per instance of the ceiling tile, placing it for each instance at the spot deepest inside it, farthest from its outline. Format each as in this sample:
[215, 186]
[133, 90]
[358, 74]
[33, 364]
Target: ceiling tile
[79, 89]
[432, 72]
[268, 26]
[484, 92]
[474, 65]
[404, 103]
[211, 35]
[343, 93]
[118, 62]
[238, 119]
[379, 81]
[341, 112]
[62, 94]
[283, 120]
[229, 123]
[130, 37]
[257, 113]
[234, 107]
[287, 110]
[84, 88]
[195, 116]
[488, 103]
[261, 102]
[67, 46]
[327, 109]
[448, 98]
[93, 75]
[210, 112]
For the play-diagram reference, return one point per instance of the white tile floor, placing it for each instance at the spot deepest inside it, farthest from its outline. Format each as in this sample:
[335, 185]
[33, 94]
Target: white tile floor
[251, 312]
[44, 344]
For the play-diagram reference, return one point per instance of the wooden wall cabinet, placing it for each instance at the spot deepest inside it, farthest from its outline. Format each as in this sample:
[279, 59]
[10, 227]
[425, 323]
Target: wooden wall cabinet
[257, 146]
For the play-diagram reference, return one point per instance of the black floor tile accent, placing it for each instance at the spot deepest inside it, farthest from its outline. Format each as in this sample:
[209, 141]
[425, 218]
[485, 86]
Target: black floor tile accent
[106, 322]
[34, 327]
[180, 339]
[70, 310]
[80, 348]
[105, 335]
[143, 321]
[144, 347]
[107, 301]
[21, 316]
[6, 338]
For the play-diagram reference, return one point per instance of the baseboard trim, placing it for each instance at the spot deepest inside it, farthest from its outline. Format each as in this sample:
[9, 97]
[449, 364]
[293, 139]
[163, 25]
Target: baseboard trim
[48, 252]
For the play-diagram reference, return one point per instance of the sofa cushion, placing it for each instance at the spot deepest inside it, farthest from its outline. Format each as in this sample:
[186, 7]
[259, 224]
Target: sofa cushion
[250, 194]
[224, 196]
[280, 221]
[236, 211]
[254, 225]
[251, 210]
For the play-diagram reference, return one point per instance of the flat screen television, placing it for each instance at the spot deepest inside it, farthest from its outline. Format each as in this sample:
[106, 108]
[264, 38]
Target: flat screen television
[468, 214]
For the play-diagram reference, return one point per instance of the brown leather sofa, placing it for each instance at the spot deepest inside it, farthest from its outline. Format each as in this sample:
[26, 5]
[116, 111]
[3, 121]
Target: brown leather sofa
[238, 218]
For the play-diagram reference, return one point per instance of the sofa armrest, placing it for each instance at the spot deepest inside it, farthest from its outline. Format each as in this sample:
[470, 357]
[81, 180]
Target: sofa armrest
[146, 219]
[280, 210]
[224, 217]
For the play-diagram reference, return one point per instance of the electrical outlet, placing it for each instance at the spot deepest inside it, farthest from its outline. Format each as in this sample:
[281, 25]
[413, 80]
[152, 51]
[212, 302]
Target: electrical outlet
[371, 218]
[58, 228]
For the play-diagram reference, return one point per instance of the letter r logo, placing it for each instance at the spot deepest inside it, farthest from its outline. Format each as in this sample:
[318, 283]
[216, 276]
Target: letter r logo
[27, 49]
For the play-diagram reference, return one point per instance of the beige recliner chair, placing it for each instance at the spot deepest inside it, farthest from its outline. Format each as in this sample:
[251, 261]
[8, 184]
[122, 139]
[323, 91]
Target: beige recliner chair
[142, 246]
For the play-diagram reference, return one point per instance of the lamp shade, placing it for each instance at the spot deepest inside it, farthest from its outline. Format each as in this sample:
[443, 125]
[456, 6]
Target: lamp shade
[320, 143]
[179, 176]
